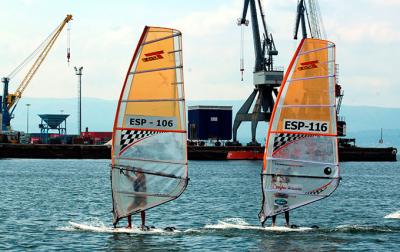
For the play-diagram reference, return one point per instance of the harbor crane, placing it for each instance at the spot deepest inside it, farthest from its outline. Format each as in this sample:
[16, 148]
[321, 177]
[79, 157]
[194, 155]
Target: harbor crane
[10, 100]
[266, 78]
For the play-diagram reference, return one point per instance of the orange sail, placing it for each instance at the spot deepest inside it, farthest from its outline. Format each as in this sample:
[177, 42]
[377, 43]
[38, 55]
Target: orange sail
[301, 158]
[149, 154]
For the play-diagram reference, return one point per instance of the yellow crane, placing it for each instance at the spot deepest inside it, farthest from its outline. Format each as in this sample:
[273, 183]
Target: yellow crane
[10, 100]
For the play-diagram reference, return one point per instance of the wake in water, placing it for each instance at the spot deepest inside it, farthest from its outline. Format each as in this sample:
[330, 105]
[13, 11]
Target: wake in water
[225, 224]
[238, 223]
[99, 227]
[395, 215]
[354, 228]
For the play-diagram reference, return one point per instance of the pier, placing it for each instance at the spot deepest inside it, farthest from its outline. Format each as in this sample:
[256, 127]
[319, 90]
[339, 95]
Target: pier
[80, 151]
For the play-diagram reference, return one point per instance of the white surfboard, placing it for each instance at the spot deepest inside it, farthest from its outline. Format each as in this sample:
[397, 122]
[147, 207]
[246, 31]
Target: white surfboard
[104, 229]
[287, 229]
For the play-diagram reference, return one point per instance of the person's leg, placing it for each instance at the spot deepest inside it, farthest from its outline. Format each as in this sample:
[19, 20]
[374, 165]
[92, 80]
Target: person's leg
[143, 216]
[273, 220]
[287, 218]
[129, 222]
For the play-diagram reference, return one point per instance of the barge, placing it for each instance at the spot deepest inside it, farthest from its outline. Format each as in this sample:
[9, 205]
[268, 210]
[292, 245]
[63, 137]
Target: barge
[81, 151]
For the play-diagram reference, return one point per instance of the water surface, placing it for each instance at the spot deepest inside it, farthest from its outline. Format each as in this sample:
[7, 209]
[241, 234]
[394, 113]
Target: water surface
[218, 211]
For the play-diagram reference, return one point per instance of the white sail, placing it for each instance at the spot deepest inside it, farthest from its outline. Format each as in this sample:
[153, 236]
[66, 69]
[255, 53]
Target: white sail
[149, 154]
[301, 158]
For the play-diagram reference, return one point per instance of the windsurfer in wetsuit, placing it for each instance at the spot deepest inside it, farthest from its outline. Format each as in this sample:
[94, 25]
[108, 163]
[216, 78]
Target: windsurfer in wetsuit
[280, 182]
[286, 218]
[139, 185]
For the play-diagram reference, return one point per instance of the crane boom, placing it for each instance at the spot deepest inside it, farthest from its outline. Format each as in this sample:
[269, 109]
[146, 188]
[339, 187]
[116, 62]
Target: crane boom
[42, 56]
[10, 100]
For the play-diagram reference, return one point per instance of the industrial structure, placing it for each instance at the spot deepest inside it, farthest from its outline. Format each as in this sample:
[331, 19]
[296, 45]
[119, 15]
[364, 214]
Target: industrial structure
[206, 123]
[10, 100]
[55, 122]
[266, 78]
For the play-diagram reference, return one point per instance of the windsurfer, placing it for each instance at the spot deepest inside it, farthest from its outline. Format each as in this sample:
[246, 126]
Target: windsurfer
[139, 185]
[286, 218]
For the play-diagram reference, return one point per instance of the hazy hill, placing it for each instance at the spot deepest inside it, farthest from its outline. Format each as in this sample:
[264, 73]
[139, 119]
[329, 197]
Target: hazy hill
[364, 123]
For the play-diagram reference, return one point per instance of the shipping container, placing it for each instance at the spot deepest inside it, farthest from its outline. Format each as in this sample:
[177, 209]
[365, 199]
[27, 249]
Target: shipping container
[210, 122]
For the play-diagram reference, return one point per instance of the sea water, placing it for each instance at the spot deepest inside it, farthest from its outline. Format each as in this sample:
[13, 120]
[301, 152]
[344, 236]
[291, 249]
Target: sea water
[218, 211]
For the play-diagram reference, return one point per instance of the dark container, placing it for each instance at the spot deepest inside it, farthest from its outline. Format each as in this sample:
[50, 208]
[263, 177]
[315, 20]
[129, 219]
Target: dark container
[210, 122]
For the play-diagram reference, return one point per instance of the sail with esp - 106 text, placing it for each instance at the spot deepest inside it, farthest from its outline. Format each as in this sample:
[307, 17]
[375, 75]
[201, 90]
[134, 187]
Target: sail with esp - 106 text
[149, 152]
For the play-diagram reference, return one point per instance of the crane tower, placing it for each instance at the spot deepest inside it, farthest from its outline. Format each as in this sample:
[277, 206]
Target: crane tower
[266, 78]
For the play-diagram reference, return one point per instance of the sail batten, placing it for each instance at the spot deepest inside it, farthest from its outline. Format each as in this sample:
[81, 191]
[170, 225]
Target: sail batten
[156, 69]
[135, 194]
[310, 78]
[135, 169]
[299, 176]
[149, 151]
[307, 105]
[301, 194]
[155, 100]
[149, 160]
[301, 163]
[316, 50]
[164, 38]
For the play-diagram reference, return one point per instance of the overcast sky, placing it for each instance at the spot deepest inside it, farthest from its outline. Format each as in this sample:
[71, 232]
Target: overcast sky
[104, 35]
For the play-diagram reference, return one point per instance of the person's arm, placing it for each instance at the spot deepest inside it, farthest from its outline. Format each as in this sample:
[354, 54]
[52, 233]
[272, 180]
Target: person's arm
[131, 178]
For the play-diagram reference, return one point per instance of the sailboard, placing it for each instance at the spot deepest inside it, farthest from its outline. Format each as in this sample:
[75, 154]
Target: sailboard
[301, 162]
[149, 150]
[105, 229]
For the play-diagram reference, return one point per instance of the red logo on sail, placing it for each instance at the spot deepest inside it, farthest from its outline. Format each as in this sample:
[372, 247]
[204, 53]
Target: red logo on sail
[308, 65]
[153, 56]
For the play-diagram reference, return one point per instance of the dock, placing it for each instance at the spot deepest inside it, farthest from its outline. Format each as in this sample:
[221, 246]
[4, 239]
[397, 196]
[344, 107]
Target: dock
[81, 151]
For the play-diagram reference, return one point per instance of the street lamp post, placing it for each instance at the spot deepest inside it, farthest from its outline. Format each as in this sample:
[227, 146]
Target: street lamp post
[27, 117]
[78, 72]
